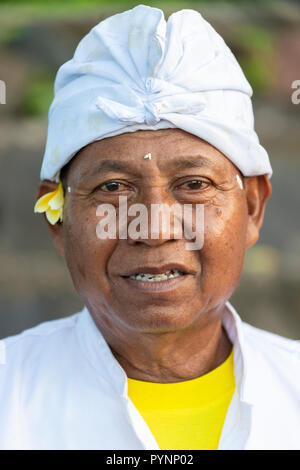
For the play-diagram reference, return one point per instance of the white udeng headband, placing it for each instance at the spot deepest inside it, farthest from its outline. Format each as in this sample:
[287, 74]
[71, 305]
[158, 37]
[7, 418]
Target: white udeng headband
[136, 71]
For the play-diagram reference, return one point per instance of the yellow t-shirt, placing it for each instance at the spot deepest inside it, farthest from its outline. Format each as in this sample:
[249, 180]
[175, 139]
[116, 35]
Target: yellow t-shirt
[189, 414]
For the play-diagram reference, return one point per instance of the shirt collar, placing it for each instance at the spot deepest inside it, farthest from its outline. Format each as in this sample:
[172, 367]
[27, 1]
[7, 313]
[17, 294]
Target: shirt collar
[241, 354]
[99, 353]
[105, 364]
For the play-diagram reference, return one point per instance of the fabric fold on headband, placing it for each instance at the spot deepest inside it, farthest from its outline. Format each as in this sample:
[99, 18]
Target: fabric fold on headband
[150, 112]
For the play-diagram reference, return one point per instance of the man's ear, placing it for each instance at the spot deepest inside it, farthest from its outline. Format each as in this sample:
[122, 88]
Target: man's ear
[56, 230]
[258, 190]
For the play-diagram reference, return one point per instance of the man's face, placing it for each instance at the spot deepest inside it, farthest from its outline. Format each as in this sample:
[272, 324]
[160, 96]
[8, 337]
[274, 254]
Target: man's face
[184, 170]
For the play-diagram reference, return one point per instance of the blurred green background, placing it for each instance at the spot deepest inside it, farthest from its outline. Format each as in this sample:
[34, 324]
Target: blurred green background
[35, 39]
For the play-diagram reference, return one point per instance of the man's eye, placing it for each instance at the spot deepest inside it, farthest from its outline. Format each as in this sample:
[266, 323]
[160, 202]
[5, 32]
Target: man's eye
[194, 185]
[113, 186]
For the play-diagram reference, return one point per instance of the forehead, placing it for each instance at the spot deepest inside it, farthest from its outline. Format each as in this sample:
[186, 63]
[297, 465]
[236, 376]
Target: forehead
[171, 150]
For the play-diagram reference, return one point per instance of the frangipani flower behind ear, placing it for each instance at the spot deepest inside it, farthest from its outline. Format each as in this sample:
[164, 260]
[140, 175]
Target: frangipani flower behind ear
[52, 204]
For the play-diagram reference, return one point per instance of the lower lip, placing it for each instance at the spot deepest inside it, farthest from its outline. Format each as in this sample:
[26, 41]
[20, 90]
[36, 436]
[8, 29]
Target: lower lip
[157, 286]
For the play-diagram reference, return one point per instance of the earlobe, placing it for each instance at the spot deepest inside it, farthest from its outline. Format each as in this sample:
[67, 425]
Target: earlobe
[258, 190]
[56, 230]
[57, 238]
[252, 234]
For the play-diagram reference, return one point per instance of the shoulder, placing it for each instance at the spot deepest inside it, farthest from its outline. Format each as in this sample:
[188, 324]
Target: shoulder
[272, 387]
[34, 367]
[40, 332]
[271, 362]
[261, 344]
[275, 359]
[31, 346]
[269, 342]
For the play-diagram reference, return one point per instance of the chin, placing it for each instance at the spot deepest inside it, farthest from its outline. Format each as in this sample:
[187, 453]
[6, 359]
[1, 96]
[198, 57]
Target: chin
[158, 320]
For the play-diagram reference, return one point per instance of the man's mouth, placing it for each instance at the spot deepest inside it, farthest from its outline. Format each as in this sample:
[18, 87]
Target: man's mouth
[162, 279]
[147, 277]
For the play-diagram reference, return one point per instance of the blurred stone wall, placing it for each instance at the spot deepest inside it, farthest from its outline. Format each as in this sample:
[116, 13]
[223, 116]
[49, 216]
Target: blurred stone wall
[34, 283]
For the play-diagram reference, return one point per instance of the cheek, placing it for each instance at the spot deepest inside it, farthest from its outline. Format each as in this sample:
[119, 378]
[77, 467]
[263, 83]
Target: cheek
[224, 242]
[86, 255]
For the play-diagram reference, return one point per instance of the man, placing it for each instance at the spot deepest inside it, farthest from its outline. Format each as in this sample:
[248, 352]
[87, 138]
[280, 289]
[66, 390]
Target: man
[152, 114]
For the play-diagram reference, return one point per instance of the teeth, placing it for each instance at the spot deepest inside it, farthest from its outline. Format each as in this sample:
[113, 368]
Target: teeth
[157, 277]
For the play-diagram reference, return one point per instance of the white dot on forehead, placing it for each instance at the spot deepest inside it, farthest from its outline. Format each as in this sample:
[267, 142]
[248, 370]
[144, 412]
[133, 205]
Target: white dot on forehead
[240, 182]
[69, 189]
[148, 156]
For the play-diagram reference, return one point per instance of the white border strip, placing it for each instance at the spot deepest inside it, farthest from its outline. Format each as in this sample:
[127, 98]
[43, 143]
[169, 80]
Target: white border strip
[2, 92]
[2, 353]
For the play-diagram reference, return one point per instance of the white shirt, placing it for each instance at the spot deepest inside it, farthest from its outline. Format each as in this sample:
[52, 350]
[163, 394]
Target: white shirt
[62, 388]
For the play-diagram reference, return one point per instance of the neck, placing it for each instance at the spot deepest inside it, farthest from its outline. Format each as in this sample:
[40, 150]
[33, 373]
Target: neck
[172, 356]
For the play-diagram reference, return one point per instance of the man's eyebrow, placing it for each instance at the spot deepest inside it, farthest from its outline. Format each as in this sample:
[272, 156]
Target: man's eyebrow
[199, 162]
[109, 165]
[117, 165]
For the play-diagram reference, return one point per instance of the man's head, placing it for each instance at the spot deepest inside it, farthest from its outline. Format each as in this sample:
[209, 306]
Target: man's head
[139, 84]
[184, 170]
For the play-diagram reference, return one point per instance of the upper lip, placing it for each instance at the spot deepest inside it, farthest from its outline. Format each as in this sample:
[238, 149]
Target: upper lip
[157, 269]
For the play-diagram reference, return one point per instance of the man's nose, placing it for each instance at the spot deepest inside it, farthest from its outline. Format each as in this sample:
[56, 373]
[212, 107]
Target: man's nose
[162, 221]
